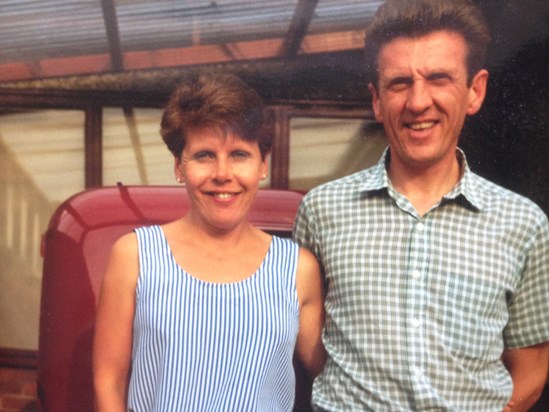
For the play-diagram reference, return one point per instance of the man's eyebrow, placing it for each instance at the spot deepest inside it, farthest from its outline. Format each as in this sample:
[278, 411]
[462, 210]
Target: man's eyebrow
[436, 75]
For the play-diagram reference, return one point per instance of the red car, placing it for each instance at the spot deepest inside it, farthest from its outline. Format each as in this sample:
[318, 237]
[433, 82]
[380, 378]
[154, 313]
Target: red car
[76, 247]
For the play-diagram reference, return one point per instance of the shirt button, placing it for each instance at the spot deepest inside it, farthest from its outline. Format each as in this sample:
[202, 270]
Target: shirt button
[420, 226]
[418, 372]
[416, 274]
[416, 323]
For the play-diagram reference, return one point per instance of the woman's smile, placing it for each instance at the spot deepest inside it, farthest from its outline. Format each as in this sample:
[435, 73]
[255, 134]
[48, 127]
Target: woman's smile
[222, 174]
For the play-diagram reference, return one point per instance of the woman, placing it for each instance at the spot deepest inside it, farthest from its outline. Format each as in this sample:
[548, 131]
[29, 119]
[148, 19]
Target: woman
[204, 313]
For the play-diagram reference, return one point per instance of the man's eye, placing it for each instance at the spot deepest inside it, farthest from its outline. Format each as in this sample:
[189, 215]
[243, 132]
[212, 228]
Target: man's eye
[439, 78]
[399, 84]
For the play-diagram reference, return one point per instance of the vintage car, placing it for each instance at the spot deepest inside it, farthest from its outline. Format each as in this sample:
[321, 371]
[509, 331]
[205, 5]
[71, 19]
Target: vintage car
[76, 247]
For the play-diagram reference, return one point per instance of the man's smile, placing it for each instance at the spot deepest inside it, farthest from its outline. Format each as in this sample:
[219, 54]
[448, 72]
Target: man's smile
[420, 125]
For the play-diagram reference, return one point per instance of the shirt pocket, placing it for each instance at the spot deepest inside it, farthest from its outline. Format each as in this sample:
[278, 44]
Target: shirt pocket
[474, 314]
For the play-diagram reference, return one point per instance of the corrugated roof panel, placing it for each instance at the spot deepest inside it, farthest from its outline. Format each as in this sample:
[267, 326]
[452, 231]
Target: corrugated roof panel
[167, 24]
[38, 29]
[334, 15]
[33, 32]
[35, 29]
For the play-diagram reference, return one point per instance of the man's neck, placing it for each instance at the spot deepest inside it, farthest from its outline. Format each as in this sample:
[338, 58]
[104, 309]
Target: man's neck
[424, 187]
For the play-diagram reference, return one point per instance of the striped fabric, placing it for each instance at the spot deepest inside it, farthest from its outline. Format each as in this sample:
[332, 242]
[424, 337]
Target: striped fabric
[201, 346]
[419, 308]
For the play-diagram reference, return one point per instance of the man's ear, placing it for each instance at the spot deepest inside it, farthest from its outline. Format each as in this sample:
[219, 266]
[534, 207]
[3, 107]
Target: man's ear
[375, 102]
[477, 91]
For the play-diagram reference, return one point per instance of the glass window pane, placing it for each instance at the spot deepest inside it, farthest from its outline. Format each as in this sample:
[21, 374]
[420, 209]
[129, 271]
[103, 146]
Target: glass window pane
[41, 165]
[133, 150]
[324, 149]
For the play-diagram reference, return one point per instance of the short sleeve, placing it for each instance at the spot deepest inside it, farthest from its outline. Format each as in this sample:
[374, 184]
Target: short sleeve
[529, 306]
[304, 231]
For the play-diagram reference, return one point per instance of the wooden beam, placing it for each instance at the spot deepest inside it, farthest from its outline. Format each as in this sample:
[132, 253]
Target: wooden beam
[93, 147]
[280, 154]
[18, 358]
[251, 51]
[78, 99]
[298, 27]
[111, 25]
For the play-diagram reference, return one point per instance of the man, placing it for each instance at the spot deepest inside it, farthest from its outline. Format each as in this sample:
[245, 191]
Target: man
[437, 280]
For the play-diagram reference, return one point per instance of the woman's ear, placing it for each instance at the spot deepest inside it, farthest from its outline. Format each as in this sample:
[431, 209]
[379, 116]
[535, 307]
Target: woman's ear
[264, 168]
[477, 91]
[177, 169]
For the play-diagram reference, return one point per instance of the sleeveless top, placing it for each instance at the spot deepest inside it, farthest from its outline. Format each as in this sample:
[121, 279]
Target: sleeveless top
[203, 346]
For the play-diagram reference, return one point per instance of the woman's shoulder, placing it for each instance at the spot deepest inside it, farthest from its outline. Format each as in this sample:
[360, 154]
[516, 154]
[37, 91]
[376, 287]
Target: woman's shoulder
[308, 261]
[125, 244]
[122, 266]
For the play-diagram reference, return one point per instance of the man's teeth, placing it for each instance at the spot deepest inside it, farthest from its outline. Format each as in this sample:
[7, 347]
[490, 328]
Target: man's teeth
[421, 126]
[223, 195]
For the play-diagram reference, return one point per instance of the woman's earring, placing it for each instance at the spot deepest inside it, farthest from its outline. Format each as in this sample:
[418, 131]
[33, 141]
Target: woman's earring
[263, 176]
[179, 180]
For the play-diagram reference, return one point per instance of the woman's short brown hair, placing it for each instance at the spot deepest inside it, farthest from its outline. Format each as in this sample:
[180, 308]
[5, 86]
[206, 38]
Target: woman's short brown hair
[217, 101]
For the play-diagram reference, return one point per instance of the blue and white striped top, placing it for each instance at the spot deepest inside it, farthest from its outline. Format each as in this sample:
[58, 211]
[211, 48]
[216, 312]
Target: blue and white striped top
[202, 346]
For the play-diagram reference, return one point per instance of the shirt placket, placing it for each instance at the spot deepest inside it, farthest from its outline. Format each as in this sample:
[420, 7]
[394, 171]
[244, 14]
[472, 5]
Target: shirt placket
[416, 291]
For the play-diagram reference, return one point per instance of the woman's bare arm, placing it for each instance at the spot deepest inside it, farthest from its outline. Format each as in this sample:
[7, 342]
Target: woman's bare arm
[310, 291]
[114, 326]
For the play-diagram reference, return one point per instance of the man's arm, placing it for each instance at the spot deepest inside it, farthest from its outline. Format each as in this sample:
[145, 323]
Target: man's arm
[528, 368]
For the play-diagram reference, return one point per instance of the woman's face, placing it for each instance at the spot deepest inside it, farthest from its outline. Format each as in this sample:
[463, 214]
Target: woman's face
[222, 174]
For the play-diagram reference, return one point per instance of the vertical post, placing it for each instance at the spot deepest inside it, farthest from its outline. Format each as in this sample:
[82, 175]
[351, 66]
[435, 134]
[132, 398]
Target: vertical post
[280, 155]
[93, 147]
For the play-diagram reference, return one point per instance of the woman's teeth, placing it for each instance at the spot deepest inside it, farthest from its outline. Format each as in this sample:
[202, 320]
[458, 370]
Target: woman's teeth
[223, 196]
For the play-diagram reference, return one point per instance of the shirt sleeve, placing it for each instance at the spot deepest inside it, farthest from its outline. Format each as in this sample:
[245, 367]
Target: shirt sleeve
[304, 231]
[529, 306]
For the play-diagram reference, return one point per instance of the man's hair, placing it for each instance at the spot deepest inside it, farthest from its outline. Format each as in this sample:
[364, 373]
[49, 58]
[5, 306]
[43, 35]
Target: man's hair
[416, 18]
[221, 102]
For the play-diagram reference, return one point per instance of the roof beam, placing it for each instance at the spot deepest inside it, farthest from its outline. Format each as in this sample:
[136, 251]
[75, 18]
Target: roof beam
[299, 25]
[178, 57]
[113, 36]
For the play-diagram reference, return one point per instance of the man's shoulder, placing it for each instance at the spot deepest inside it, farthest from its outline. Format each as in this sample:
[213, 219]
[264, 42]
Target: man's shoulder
[498, 198]
[346, 185]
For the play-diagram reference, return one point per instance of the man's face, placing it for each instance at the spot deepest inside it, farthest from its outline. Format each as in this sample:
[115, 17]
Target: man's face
[423, 97]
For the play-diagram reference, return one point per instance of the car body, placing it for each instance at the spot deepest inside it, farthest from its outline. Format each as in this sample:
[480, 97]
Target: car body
[76, 246]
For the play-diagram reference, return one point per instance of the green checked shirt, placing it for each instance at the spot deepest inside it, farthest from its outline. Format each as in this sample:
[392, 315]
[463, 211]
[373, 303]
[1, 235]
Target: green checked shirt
[419, 309]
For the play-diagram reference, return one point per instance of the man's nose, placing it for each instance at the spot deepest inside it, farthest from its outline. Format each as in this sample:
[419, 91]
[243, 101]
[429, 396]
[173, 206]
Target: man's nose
[419, 97]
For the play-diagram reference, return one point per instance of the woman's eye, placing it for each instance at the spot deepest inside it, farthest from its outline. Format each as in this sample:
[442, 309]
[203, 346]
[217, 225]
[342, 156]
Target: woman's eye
[203, 155]
[240, 154]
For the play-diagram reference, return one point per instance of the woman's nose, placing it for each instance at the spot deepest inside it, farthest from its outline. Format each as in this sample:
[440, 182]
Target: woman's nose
[221, 170]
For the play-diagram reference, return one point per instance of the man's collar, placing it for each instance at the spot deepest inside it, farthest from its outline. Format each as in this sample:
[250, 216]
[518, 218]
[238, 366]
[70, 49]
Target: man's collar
[466, 188]
[379, 178]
